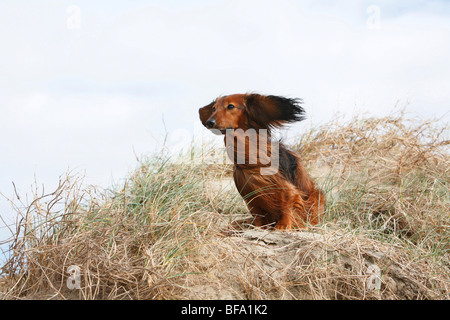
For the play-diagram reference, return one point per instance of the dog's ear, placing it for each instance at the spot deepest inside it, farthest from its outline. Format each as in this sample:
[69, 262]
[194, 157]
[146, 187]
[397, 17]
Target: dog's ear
[272, 111]
[206, 112]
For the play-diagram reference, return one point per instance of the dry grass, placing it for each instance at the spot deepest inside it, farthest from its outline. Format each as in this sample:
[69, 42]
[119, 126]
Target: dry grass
[129, 243]
[389, 175]
[156, 236]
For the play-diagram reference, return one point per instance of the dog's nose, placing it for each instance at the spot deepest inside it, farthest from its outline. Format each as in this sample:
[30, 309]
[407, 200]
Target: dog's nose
[210, 123]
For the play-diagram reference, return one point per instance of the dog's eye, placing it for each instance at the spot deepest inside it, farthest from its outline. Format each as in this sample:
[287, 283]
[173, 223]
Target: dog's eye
[230, 106]
[214, 109]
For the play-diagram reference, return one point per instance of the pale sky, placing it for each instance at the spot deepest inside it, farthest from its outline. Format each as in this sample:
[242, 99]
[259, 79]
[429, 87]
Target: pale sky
[84, 85]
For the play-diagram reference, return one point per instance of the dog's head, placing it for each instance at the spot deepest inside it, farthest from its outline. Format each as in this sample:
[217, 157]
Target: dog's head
[244, 111]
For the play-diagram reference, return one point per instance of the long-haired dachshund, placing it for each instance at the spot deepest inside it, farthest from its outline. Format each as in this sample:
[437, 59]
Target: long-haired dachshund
[271, 179]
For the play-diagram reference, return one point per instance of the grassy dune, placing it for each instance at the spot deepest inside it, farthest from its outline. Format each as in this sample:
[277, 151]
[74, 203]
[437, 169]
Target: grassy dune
[385, 234]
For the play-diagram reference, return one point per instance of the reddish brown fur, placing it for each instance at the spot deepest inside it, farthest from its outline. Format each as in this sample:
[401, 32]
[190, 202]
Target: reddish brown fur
[286, 199]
